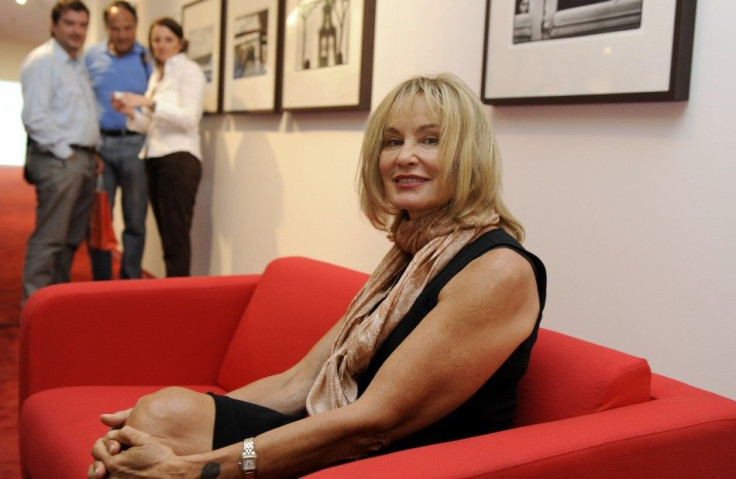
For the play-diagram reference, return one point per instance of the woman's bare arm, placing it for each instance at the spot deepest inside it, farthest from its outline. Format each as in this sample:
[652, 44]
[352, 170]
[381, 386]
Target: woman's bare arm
[482, 315]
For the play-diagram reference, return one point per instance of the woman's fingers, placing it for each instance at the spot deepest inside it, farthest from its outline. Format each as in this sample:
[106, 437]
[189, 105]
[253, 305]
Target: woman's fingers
[116, 419]
[129, 436]
[99, 450]
[96, 471]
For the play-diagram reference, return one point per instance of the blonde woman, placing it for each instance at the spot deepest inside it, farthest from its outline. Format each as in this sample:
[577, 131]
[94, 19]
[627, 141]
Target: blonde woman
[430, 350]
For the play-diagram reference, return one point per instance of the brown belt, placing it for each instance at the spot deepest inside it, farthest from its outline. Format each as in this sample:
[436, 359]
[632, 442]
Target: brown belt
[73, 146]
[88, 149]
[123, 132]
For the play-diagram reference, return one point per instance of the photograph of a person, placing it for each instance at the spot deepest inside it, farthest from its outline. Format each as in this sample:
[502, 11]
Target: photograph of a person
[323, 38]
[250, 51]
[539, 20]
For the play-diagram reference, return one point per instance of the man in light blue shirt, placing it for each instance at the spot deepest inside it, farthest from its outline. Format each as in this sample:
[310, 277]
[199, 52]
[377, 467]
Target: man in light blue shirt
[119, 64]
[60, 117]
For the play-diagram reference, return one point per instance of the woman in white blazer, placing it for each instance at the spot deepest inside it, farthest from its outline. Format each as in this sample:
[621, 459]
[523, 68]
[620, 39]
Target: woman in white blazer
[169, 114]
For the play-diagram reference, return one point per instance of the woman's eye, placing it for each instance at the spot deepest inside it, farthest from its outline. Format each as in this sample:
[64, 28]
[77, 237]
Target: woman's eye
[389, 142]
[432, 140]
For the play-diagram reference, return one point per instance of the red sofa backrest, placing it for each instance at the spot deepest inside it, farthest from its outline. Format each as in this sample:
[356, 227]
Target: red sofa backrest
[297, 300]
[570, 377]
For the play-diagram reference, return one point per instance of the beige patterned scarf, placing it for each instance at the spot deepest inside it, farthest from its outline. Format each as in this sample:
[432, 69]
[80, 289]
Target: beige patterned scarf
[422, 249]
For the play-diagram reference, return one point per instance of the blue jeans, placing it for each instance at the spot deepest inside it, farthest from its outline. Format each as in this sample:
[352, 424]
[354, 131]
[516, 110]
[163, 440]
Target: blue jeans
[124, 169]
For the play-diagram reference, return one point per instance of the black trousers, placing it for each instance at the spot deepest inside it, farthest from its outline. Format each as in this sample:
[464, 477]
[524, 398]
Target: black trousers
[172, 188]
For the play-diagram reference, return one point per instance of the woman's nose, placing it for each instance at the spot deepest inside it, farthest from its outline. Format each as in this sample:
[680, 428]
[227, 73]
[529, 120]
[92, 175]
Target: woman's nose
[407, 155]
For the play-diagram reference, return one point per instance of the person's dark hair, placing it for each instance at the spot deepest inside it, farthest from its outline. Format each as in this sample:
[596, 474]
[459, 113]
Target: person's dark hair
[172, 25]
[63, 5]
[119, 4]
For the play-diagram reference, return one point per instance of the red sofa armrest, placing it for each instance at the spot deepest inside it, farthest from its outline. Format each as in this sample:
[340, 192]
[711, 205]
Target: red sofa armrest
[663, 386]
[169, 331]
[688, 436]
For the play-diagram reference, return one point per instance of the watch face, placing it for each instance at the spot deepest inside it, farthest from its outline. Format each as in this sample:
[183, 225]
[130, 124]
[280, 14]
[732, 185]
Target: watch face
[249, 464]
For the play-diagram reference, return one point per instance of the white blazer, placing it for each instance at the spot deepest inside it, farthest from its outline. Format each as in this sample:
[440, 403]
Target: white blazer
[173, 124]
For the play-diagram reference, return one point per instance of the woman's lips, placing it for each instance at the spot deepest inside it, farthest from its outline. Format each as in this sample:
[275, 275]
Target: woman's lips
[409, 181]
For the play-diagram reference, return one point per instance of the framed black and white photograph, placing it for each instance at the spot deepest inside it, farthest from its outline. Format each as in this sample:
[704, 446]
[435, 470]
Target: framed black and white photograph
[251, 73]
[586, 51]
[328, 54]
[201, 21]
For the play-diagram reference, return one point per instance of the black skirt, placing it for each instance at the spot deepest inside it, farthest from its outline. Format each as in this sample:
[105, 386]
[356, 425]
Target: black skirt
[236, 420]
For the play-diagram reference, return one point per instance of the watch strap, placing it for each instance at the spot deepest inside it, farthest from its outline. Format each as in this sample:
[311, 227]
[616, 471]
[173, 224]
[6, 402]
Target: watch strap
[248, 461]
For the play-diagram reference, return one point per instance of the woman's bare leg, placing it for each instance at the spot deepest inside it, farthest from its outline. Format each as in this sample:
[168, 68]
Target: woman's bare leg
[183, 419]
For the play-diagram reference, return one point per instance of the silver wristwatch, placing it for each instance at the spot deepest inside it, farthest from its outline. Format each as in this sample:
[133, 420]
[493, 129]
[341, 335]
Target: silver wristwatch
[248, 461]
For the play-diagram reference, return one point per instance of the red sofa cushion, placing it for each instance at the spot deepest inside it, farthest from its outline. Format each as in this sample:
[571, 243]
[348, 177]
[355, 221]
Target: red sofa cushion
[570, 377]
[296, 301]
[58, 426]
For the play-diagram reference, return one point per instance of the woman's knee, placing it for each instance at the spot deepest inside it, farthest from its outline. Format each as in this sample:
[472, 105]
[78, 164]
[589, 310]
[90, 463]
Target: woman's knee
[178, 417]
[164, 412]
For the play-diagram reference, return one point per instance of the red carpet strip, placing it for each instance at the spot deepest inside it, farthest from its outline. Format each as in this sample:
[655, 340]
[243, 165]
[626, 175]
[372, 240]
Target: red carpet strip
[18, 202]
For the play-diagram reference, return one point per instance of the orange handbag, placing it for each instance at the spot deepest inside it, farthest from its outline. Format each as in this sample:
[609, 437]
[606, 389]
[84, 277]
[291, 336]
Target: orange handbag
[101, 232]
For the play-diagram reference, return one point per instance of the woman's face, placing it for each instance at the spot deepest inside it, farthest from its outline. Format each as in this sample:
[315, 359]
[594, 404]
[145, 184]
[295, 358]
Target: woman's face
[164, 43]
[410, 162]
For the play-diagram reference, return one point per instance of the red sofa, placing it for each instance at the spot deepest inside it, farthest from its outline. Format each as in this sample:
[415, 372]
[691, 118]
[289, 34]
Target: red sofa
[584, 410]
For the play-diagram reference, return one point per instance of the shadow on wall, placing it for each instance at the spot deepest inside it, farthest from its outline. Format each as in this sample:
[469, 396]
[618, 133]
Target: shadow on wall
[240, 202]
[638, 120]
[342, 121]
[240, 176]
[202, 223]
[257, 204]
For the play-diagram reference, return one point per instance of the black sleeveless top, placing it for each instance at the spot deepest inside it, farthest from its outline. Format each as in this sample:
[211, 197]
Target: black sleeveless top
[491, 408]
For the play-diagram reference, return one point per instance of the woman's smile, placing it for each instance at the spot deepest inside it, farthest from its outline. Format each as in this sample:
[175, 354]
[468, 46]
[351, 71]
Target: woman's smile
[409, 181]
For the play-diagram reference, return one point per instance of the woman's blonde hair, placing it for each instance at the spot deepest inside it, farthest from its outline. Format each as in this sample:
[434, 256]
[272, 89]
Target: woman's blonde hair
[473, 171]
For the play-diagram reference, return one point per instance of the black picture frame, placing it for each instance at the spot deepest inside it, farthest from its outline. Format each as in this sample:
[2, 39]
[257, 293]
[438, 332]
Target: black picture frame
[201, 22]
[531, 59]
[341, 81]
[253, 48]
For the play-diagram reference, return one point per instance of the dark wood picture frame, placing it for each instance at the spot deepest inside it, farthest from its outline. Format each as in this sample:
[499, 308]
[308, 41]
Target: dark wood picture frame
[201, 21]
[252, 43]
[341, 81]
[521, 72]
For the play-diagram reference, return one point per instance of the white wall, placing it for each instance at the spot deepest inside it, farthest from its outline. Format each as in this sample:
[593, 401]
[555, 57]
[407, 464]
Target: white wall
[12, 133]
[13, 52]
[630, 205]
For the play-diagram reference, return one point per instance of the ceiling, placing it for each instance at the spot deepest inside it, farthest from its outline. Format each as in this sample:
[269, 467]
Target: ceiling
[27, 23]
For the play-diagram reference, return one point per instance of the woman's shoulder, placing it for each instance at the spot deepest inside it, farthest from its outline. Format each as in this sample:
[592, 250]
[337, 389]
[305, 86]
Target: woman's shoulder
[183, 65]
[492, 249]
[192, 67]
[499, 265]
[500, 249]
[501, 271]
